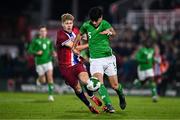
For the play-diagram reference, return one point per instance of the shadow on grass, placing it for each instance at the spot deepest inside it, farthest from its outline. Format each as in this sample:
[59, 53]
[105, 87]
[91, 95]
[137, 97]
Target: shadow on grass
[85, 114]
[77, 111]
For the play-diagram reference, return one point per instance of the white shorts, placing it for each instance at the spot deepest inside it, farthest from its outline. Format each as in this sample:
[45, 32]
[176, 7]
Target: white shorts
[105, 65]
[42, 69]
[143, 74]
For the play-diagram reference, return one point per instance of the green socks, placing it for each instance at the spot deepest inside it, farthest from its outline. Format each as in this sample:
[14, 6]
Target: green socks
[153, 87]
[50, 88]
[137, 83]
[104, 94]
[151, 83]
[119, 90]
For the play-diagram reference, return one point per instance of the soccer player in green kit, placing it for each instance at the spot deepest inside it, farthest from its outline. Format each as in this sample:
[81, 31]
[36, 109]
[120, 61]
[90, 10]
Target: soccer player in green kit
[102, 60]
[43, 49]
[145, 58]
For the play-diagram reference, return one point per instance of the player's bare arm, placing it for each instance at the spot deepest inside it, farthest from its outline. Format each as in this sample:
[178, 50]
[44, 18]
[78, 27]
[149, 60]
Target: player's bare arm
[75, 47]
[40, 52]
[82, 47]
[83, 43]
[54, 54]
[76, 40]
[75, 44]
[110, 32]
[78, 47]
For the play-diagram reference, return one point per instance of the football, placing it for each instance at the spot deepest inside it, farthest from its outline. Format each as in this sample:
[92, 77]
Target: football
[95, 84]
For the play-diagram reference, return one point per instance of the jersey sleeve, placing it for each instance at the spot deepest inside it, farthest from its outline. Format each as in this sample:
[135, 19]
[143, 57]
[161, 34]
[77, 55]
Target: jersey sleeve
[52, 46]
[76, 30]
[139, 57]
[32, 47]
[83, 29]
[62, 39]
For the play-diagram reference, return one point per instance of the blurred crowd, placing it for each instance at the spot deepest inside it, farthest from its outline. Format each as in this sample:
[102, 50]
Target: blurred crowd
[129, 40]
[21, 68]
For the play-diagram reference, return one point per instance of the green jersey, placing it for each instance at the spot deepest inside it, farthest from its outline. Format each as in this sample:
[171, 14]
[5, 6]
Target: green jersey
[99, 45]
[145, 58]
[47, 47]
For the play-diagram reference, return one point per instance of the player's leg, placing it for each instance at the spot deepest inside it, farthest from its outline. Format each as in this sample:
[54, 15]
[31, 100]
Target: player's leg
[139, 83]
[96, 70]
[41, 75]
[111, 72]
[50, 81]
[152, 84]
[71, 79]
[80, 94]
[141, 78]
[113, 80]
[41, 79]
[153, 88]
[95, 99]
[104, 94]
[84, 77]
[50, 84]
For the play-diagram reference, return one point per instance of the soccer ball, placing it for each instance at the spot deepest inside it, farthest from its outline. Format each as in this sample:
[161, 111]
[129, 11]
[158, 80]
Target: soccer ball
[94, 85]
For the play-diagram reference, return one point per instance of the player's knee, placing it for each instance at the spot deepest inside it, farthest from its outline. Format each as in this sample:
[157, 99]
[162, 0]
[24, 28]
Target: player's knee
[77, 89]
[42, 79]
[114, 85]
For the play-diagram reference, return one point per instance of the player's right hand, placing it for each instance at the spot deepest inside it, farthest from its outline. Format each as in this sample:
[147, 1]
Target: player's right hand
[54, 54]
[40, 52]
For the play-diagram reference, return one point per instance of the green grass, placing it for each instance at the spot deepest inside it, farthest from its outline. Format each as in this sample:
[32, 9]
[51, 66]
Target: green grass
[36, 106]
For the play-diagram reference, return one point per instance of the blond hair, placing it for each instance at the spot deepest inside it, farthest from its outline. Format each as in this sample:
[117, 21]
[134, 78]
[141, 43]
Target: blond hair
[66, 16]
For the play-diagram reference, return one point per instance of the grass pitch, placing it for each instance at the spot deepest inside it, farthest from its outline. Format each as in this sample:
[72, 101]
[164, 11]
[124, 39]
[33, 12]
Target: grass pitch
[36, 106]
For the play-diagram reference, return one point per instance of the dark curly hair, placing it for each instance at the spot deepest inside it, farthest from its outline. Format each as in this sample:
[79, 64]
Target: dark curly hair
[95, 13]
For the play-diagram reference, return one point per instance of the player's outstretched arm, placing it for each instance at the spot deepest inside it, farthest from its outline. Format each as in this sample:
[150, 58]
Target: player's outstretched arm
[70, 45]
[75, 43]
[82, 47]
[110, 32]
[75, 47]
[76, 40]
